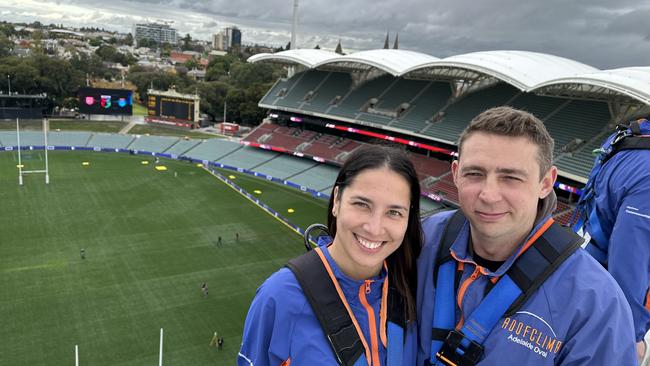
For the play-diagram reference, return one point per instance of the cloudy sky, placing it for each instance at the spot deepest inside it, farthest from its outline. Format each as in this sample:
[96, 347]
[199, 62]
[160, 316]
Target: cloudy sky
[602, 33]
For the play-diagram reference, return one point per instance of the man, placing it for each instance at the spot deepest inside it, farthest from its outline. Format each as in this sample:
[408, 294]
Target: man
[616, 210]
[478, 311]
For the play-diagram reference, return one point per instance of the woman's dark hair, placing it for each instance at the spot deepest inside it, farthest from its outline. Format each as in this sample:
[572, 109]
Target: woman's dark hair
[402, 273]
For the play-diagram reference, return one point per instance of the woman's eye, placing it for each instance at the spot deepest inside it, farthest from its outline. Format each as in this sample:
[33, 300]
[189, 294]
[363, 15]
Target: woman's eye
[395, 213]
[360, 204]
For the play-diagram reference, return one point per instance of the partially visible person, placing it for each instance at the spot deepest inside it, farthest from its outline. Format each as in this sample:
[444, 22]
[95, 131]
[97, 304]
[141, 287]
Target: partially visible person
[615, 212]
[373, 218]
[499, 283]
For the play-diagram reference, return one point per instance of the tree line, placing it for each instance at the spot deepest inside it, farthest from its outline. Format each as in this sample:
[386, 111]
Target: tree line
[229, 79]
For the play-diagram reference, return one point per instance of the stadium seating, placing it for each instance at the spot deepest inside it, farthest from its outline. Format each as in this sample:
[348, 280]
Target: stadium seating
[248, 158]
[537, 105]
[285, 166]
[581, 161]
[428, 207]
[153, 143]
[181, 147]
[578, 119]
[458, 115]
[336, 84]
[401, 92]
[105, 140]
[308, 81]
[279, 89]
[68, 138]
[351, 104]
[27, 138]
[424, 107]
[212, 149]
[320, 178]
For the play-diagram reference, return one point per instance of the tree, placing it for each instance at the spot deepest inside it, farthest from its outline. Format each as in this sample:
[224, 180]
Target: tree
[219, 68]
[95, 42]
[128, 40]
[187, 40]
[191, 64]
[213, 94]
[247, 74]
[6, 46]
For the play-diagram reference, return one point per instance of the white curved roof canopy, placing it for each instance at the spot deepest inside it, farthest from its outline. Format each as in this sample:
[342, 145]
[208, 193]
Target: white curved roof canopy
[394, 62]
[522, 69]
[306, 57]
[633, 82]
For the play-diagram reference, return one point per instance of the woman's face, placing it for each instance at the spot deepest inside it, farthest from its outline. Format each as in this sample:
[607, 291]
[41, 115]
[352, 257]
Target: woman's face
[371, 220]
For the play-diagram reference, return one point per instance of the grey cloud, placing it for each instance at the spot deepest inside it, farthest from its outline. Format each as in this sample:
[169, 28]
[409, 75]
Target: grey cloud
[601, 33]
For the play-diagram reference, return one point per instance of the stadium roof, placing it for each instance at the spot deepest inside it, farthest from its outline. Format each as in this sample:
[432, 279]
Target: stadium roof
[633, 82]
[521, 69]
[394, 62]
[527, 71]
[305, 57]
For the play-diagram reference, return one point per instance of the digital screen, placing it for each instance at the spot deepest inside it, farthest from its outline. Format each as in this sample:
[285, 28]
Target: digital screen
[170, 107]
[105, 101]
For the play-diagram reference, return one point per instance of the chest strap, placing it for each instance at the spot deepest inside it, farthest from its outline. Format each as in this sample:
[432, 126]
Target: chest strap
[463, 347]
[336, 319]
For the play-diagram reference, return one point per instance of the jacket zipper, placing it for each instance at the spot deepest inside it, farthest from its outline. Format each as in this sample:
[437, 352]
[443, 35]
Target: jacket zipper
[461, 293]
[372, 322]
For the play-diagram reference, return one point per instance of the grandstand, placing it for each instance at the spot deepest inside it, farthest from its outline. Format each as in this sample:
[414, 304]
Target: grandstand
[422, 99]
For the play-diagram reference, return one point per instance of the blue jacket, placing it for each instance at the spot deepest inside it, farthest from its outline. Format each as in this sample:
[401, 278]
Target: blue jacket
[281, 324]
[622, 199]
[579, 316]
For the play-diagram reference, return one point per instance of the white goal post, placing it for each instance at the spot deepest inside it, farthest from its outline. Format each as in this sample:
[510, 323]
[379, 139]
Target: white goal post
[20, 162]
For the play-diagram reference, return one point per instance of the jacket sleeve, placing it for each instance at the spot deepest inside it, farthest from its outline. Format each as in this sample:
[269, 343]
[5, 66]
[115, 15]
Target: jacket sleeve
[267, 330]
[600, 325]
[629, 253]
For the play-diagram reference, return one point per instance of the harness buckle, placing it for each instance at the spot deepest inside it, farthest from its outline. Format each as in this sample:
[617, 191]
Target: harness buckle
[453, 353]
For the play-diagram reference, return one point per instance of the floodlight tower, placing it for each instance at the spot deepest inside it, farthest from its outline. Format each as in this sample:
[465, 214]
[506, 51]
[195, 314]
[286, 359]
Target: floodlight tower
[294, 30]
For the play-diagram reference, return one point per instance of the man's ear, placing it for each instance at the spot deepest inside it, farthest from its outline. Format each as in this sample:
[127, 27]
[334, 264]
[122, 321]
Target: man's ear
[454, 171]
[548, 181]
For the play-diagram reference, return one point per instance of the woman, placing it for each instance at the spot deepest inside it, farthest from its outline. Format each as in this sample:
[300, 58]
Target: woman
[374, 221]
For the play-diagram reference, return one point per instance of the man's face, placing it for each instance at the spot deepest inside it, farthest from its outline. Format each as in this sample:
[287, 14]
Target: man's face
[499, 187]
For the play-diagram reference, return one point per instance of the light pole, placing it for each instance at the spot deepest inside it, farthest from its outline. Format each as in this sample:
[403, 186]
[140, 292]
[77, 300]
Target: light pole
[9, 83]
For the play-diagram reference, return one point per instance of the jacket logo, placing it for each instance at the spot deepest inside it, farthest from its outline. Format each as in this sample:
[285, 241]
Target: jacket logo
[539, 338]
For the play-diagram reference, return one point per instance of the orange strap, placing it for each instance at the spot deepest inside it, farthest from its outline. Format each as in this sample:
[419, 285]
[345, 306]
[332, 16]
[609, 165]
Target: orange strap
[326, 264]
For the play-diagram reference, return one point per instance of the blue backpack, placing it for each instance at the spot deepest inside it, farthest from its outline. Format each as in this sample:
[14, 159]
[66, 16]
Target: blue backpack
[634, 135]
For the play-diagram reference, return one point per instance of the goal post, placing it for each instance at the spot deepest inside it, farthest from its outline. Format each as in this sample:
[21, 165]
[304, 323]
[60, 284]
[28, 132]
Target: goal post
[22, 171]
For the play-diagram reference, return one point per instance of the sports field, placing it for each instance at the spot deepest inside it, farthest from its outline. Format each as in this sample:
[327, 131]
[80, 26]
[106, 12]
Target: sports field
[150, 239]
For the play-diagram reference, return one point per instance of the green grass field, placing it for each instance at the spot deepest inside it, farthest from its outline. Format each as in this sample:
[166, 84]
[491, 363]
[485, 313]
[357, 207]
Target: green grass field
[150, 240]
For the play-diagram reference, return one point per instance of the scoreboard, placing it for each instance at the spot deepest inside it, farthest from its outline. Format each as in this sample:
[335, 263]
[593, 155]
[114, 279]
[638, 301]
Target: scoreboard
[105, 101]
[172, 108]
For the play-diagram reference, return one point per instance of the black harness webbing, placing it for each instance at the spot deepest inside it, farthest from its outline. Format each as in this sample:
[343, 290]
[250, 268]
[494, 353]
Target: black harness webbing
[330, 310]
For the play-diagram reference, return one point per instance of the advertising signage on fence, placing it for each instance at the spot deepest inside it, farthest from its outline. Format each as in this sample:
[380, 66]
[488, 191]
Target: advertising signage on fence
[105, 101]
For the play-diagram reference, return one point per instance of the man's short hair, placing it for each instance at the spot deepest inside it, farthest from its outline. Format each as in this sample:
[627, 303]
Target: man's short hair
[507, 121]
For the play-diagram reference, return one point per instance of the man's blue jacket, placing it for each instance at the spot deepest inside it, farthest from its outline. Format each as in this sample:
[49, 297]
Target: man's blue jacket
[622, 199]
[578, 316]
